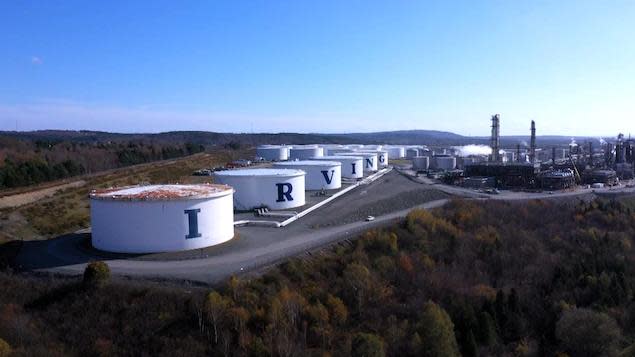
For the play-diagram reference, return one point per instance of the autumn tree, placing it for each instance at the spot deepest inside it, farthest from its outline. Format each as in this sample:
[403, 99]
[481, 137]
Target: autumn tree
[358, 282]
[367, 345]
[5, 348]
[216, 307]
[437, 332]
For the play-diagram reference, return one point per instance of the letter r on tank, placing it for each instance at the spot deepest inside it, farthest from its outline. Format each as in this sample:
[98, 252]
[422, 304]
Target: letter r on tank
[284, 194]
[192, 220]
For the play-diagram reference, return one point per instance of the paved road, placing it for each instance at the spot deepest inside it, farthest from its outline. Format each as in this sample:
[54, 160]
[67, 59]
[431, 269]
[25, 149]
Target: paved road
[258, 247]
[218, 267]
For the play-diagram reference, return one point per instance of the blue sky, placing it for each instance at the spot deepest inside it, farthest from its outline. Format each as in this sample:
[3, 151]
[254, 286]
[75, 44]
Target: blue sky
[318, 66]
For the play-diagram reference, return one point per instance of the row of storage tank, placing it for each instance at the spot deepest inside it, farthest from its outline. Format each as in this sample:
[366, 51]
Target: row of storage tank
[166, 218]
[303, 152]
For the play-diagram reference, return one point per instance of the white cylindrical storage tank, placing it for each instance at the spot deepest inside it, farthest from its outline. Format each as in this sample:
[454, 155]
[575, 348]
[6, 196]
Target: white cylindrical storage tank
[161, 218]
[352, 166]
[370, 159]
[305, 152]
[272, 152]
[320, 174]
[396, 152]
[444, 162]
[331, 152]
[420, 163]
[412, 152]
[382, 156]
[273, 188]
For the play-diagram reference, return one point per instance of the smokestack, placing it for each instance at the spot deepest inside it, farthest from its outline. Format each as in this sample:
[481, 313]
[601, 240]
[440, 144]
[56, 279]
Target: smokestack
[517, 152]
[591, 153]
[495, 139]
[532, 144]
[553, 155]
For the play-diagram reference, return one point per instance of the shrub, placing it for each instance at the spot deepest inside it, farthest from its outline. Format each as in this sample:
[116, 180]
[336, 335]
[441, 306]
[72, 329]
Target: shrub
[96, 274]
[585, 332]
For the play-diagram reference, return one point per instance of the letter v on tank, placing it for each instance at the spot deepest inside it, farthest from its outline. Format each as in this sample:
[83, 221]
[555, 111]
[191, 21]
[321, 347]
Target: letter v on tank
[352, 166]
[320, 174]
[275, 188]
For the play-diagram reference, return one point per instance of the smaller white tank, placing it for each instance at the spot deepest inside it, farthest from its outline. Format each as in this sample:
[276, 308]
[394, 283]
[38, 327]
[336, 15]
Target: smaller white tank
[412, 152]
[320, 174]
[272, 188]
[396, 152]
[336, 151]
[444, 162]
[370, 160]
[352, 166]
[382, 156]
[304, 152]
[420, 163]
[272, 152]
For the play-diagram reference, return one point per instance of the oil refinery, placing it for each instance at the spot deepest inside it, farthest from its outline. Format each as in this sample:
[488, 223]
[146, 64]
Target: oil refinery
[286, 182]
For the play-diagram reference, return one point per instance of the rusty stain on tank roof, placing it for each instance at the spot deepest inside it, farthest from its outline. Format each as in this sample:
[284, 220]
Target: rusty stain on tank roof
[160, 192]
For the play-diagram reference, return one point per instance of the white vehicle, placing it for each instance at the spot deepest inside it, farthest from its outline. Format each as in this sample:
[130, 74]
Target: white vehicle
[370, 218]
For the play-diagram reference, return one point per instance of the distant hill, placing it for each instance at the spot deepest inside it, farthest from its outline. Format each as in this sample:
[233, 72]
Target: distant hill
[402, 137]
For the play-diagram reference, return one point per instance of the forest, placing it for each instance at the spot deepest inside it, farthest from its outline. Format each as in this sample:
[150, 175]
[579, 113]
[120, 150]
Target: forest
[25, 162]
[474, 278]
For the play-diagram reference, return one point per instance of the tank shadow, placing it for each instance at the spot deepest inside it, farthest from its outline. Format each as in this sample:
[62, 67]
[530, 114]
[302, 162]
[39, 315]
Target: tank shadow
[68, 249]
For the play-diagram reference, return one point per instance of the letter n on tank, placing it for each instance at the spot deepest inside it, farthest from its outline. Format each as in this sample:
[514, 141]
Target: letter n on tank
[284, 194]
[192, 220]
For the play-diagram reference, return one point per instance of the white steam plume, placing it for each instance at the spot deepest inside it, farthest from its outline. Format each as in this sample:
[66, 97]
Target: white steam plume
[467, 150]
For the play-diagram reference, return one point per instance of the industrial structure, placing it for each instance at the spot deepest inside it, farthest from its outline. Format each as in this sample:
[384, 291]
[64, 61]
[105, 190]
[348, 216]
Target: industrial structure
[320, 174]
[495, 139]
[352, 166]
[273, 152]
[305, 152]
[161, 218]
[395, 152]
[420, 163]
[370, 159]
[276, 189]
[382, 156]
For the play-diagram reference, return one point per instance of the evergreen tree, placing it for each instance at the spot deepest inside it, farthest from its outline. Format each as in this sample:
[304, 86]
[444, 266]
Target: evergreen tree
[486, 332]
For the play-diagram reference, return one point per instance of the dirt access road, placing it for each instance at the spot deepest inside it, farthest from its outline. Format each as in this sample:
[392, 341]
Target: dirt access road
[21, 199]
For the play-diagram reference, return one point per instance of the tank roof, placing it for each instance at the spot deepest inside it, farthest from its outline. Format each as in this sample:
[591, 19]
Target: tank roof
[261, 172]
[161, 192]
[335, 157]
[308, 163]
[357, 153]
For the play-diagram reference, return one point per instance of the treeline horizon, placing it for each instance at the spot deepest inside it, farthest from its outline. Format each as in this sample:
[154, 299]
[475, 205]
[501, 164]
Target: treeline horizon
[25, 162]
